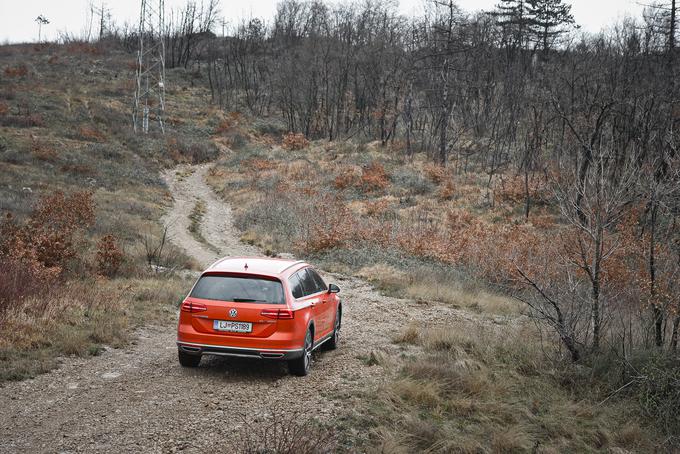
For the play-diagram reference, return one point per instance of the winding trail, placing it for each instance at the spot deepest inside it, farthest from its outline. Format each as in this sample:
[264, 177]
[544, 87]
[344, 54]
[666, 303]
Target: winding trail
[138, 399]
[187, 185]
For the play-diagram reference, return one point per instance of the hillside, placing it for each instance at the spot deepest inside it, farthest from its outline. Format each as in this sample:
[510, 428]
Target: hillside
[437, 356]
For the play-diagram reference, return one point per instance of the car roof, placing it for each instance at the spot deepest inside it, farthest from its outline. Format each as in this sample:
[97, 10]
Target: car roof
[255, 265]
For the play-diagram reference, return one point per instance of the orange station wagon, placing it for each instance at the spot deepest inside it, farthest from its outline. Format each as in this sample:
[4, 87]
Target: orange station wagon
[259, 308]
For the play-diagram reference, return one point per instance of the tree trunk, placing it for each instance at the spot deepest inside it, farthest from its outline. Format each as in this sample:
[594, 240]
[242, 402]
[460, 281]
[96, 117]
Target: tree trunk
[582, 175]
[527, 195]
[674, 336]
[658, 311]
[596, 316]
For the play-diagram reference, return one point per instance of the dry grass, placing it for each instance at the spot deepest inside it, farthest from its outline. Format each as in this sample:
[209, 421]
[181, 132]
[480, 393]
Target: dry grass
[263, 241]
[489, 388]
[451, 293]
[80, 318]
[409, 335]
[385, 277]
[429, 285]
[195, 218]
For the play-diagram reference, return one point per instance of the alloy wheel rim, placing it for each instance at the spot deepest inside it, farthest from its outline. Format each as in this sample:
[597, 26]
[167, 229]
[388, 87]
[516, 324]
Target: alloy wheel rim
[308, 352]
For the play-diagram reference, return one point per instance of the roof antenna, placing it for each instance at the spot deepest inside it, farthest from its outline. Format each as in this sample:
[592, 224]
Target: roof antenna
[246, 267]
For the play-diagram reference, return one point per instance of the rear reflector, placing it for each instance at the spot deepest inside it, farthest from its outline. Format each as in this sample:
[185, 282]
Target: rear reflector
[188, 306]
[285, 314]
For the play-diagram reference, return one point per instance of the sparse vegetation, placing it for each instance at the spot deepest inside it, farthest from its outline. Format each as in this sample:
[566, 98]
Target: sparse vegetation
[109, 256]
[78, 194]
[80, 318]
[196, 216]
[410, 241]
[491, 388]
[281, 431]
[461, 160]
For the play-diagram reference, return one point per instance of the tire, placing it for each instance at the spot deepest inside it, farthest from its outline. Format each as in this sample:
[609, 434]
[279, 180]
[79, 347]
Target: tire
[333, 342]
[188, 360]
[301, 366]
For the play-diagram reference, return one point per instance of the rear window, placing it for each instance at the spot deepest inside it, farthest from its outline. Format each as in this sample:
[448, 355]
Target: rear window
[237, 289]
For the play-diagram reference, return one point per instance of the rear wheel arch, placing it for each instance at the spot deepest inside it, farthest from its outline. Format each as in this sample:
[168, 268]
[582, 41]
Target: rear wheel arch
[311, 327]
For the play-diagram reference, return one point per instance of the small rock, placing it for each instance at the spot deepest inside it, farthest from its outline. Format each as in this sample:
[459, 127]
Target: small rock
[110, 375]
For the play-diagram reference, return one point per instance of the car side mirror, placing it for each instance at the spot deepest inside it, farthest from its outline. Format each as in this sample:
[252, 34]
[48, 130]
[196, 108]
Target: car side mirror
[332, 288]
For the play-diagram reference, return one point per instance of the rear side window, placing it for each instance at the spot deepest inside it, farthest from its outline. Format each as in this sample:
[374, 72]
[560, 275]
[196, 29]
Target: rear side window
[308, 282]
[239, 289]
[295, 286]
[320, 284]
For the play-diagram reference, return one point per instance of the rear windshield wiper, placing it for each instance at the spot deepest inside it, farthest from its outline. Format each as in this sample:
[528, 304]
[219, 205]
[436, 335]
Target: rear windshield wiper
[248, 300]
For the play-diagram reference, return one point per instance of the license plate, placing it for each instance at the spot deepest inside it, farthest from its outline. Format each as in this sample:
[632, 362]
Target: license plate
[234, 327]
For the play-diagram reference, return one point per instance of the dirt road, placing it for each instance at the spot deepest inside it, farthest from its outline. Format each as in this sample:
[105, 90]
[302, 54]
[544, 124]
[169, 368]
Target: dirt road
[139, 399]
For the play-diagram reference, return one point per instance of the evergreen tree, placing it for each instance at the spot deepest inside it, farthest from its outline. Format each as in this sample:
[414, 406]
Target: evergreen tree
[548, 19]
[515, 19]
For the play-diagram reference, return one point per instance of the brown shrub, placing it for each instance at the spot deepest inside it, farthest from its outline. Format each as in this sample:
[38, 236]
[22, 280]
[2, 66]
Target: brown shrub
[109, 256]
[259, 164]
[377, 207]
[4, 109]
[53, 60]
[346, 179]
[54, 223]
[82, 49]
[447, 191]
[295, 141]
[91, 134]
[22, 277]
[223, 126]
[44, 152]
[16, 71]
[513, 190]
[374, 177]
[48, 238]
[227, 124]
[35, 120]
[436, 173]
[326, 229]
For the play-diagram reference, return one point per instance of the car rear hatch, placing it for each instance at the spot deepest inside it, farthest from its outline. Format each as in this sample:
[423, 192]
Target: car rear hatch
[236, 305]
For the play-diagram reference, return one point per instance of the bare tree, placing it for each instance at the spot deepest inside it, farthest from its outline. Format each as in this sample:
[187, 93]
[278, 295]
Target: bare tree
[41, 20]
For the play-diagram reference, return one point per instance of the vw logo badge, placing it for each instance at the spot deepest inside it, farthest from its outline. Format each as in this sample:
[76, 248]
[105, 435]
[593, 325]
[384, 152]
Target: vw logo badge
[232, 313]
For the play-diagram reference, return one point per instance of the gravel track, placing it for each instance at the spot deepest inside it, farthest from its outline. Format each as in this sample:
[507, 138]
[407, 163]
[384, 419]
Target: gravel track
[138, 399]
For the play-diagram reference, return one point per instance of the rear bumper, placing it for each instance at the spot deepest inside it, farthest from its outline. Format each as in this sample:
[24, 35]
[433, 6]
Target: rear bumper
[220, 350]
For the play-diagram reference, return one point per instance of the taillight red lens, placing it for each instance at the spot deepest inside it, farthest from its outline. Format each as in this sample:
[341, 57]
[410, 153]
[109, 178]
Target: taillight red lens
[286, 314]
[189, 306]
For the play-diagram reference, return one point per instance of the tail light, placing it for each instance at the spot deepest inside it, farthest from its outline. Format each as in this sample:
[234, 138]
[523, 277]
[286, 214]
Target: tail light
[188, 306]
[284, 314]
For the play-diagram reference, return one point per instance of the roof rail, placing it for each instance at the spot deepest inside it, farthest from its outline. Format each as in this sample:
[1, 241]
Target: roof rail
[217, 262]
[292, 265]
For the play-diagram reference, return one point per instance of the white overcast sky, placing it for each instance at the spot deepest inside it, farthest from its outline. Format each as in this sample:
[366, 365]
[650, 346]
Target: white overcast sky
[17, 16]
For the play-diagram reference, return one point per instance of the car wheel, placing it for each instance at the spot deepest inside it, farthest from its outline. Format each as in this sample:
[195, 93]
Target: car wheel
[188, 360]
[300, 366]
[333, 342]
